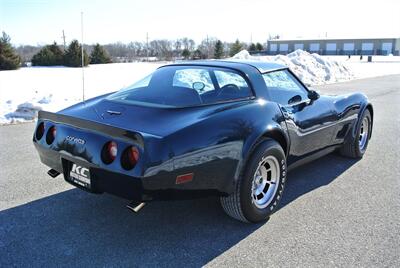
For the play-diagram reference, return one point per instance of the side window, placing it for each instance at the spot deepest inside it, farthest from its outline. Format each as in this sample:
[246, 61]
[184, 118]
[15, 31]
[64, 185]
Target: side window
[231, 85]
[284, 88]
[187, 77]
[226, 78]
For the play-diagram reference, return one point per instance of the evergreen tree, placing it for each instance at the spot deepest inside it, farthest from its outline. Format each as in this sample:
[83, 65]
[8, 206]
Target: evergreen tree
[235, 48]
[73, 55]
[50, 55]
[259, 47]
[218, 50]
[185, 53]
[197, 54]
[43, 58]
[58, 54]
[9, 59]
[252, 47]
[99, 55]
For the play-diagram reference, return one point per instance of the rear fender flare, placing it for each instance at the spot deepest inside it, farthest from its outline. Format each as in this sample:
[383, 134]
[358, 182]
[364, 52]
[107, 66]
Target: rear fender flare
[275, 132]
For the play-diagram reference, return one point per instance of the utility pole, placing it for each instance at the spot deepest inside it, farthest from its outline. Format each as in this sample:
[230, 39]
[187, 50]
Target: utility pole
[147, 46]
[208, 48]
[83, 72]
[63, 37]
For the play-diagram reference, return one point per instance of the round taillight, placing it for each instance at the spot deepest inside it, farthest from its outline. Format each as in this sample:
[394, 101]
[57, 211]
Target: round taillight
[130, 157]
[39, 131]
[51, 135]
[109, 152]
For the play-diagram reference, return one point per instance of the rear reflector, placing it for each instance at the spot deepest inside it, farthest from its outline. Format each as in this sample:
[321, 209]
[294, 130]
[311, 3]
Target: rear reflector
[39, 131]
[133, 155]
[112, 149]
[109, 152]
[184, 178]
[51, 135]
[130, 157]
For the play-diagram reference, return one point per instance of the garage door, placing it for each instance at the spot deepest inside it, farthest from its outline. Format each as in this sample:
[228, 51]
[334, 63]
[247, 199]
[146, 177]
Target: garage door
[387, 48]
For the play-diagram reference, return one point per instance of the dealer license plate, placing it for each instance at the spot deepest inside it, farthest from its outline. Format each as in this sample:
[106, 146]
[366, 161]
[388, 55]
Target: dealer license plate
[80, 175]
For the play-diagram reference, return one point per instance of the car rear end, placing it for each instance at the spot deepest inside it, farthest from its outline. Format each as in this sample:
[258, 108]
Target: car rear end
[92, 156]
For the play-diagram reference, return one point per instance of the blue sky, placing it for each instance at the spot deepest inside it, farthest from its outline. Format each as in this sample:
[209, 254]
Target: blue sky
[42, 21]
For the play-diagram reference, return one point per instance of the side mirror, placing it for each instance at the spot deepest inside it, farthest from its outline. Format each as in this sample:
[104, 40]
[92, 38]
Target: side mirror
[313, 95]
[294, 99]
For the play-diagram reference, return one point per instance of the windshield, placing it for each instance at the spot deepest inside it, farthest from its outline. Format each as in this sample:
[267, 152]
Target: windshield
[183, 86]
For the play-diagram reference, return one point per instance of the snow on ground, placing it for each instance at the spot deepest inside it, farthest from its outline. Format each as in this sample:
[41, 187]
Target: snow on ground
[361, 68]
[25, 91]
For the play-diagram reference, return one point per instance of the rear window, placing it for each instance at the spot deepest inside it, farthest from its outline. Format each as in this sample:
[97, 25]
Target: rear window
[183, 86]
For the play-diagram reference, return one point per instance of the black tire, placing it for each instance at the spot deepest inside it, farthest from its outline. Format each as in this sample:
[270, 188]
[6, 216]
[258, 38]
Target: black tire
[239, 205]
[352, 148]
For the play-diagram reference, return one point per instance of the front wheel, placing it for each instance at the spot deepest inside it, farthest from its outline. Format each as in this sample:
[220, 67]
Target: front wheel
[260, 186]
[358, 145]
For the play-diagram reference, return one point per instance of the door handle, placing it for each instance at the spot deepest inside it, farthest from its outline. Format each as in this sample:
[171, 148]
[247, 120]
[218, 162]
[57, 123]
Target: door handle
[287, 114]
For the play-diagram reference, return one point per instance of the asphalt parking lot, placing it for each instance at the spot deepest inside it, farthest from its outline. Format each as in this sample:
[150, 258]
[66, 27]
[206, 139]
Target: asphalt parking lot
[335, 211]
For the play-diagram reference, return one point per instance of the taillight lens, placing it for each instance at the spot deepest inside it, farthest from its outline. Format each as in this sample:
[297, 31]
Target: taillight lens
[109, 152]
[130, 157]
[51, 135]
[39, 131]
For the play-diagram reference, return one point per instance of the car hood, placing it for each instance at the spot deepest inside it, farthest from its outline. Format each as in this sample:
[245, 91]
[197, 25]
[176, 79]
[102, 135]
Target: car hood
[157, 121]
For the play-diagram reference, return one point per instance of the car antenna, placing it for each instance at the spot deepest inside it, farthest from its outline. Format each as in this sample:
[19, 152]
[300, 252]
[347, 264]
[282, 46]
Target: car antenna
[83, 61]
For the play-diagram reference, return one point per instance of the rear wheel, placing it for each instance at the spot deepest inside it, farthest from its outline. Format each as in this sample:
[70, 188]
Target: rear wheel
[260, 186]
[358, 145]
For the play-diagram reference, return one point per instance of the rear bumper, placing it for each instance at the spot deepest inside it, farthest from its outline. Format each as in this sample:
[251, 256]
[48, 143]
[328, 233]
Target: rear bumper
[162, 187]
[102, 180]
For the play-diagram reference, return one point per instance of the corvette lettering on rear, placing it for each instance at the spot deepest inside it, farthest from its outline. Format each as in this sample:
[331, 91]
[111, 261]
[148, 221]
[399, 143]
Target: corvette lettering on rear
[75, 140]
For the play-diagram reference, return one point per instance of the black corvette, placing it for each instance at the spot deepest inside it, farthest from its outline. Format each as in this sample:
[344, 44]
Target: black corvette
[226, 128]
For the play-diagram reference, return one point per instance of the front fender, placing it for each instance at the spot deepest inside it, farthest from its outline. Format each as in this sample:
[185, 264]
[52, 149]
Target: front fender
[355, 103]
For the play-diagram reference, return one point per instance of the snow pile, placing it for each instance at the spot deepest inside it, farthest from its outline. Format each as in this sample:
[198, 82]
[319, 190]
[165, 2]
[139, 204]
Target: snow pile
[26, 110]
[312, 69]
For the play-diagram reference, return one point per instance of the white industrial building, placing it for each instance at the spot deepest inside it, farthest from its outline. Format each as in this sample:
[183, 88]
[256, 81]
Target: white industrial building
[367, 46]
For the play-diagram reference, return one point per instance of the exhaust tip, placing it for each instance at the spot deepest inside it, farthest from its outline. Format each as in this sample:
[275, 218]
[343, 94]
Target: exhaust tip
[135, 206]
[53, 173]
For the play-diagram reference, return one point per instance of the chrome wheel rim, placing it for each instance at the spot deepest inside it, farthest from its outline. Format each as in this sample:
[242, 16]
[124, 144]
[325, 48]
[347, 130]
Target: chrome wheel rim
[265, 182]
[363, 138]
